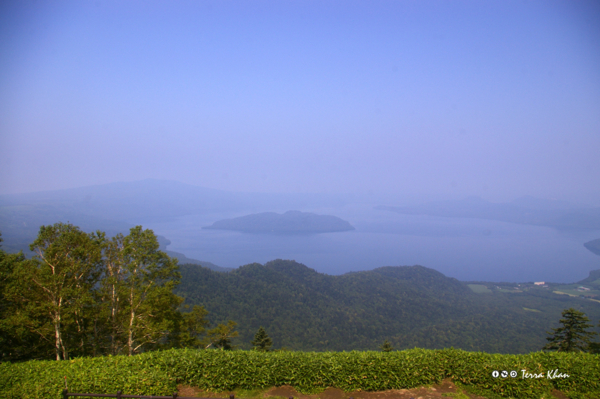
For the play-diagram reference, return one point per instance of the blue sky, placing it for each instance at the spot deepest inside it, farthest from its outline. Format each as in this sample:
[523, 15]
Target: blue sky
[497, 99]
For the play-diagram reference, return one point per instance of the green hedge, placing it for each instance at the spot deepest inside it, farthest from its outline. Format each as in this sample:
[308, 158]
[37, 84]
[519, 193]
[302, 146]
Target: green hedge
[159, 373]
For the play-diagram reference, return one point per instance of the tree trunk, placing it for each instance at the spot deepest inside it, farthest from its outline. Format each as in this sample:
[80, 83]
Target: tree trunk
[64, 350]
[131, 320]
[113, 320]
[57, 339]
[59, 345]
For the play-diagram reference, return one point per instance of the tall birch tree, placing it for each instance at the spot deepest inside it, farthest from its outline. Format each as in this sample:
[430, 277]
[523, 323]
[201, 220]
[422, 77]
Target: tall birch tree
[110, 331]
[150, 307]
[54, 288]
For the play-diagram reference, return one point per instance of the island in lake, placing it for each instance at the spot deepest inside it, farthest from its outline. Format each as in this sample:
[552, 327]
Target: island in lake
[290, 222]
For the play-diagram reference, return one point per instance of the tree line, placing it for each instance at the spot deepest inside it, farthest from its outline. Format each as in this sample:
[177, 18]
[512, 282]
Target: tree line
[572, 336]
[84, 294]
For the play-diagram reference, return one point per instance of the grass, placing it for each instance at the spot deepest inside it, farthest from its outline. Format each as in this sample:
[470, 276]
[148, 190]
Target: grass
[479, 289]
[509, 290]
[595, 283]
[249, 373]
[563, 293]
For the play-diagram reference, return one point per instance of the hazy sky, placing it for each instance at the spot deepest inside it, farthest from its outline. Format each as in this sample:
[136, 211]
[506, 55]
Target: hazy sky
[490, 98]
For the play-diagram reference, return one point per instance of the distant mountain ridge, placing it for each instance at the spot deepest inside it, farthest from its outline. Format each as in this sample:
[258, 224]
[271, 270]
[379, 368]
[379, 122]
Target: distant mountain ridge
[290, 222]
[558, 214]
[182, 259]
[116, 207]
[154, 199]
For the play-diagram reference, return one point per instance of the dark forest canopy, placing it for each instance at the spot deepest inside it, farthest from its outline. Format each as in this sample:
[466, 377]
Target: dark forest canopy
[407, 305]
[290, 222]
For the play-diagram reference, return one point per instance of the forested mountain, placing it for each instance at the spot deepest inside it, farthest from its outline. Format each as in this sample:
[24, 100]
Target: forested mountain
[409, 306]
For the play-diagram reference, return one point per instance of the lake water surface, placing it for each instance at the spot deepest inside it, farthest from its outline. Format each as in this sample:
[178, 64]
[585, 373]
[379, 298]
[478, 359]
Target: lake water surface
[467, 249]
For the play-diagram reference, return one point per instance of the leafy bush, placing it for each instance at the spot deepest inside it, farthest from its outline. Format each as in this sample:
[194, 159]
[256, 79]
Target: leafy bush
[159, 373]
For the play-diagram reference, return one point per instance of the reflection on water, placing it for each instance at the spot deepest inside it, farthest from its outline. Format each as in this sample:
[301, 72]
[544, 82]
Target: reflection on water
[467, 249]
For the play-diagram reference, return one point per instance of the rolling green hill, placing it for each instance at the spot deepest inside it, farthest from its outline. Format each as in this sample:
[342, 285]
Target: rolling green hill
[409, 306]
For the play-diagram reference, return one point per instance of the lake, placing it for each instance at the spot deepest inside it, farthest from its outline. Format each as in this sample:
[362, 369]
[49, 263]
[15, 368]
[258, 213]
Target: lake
[466, 249]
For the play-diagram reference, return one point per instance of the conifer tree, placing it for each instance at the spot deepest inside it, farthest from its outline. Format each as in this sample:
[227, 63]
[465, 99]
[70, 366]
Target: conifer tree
[191, 329]
[386, 347]
[262, 342]
[221, 335]
[572, 336]
[595, 346]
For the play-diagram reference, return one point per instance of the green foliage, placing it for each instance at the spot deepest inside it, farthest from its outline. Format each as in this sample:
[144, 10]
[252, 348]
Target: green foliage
[221, 335]
[193, 327]
[594, 347]
[573, 335]
[159, 373]
[262, 342]
[83, 294]
[386, 346]
[149, 278]
[307, 310]
[45, 379]
[409, 306]
[16, 341]
[51, 294]
[479, 289]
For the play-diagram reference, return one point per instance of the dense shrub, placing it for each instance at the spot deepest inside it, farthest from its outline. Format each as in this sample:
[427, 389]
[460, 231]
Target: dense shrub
[159, 373]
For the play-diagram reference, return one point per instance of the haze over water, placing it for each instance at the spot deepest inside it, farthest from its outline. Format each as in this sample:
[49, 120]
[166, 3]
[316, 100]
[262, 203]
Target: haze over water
[431, 99]
[466, 249]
